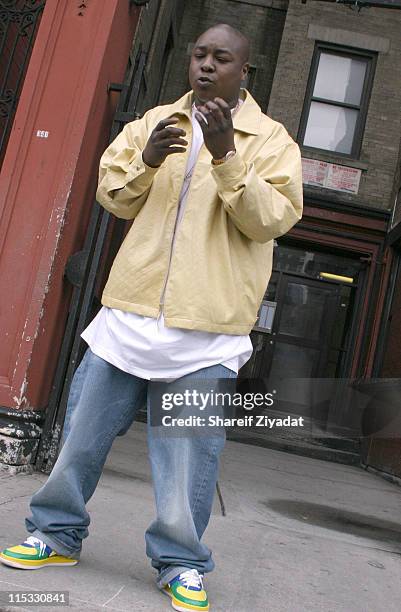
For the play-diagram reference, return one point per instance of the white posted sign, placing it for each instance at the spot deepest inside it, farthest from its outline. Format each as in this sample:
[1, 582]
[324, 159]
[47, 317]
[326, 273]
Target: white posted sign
[330, 176]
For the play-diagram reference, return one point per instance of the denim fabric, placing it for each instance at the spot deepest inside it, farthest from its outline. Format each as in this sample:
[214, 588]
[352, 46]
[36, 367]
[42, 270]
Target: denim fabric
[102, 404]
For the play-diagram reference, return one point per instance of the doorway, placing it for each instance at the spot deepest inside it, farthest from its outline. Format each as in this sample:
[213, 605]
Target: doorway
[298, 342]
[305, 328]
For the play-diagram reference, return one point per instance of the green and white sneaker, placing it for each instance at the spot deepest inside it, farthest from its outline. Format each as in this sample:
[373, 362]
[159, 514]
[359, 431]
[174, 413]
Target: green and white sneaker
[33, 554]
[187, 592]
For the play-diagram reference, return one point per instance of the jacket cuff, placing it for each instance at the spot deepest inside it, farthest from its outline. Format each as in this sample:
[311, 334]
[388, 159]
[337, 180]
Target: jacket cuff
[230, 174]
[131, 168]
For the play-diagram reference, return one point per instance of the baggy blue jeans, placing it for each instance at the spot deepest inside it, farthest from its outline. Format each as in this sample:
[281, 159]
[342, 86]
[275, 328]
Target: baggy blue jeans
[102, 404]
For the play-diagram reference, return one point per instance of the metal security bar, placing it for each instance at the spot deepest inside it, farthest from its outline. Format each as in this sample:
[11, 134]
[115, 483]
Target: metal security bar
[82, 271]
[19, 21]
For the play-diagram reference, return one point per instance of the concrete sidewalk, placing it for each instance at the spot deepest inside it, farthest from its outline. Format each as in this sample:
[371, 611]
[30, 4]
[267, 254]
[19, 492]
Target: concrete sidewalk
[300, 535]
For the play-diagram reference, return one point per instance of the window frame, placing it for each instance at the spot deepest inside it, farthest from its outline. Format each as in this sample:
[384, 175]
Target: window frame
[349, 52]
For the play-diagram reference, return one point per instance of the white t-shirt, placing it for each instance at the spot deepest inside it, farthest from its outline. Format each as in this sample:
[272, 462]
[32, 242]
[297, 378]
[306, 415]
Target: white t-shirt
[143, 346]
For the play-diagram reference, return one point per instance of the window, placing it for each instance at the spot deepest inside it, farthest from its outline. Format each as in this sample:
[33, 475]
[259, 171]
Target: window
[337, 98]
[295, 260]
[19, 24]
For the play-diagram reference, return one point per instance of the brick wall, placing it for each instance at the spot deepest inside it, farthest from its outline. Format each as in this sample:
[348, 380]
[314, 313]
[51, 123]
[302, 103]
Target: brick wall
[380, 147]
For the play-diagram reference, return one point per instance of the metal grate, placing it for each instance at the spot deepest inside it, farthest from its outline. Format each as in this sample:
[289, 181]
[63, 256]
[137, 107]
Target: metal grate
[82, 271]
[19, 21]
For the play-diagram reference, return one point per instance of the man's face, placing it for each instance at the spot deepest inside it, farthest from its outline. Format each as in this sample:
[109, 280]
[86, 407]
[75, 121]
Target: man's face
[217, 66]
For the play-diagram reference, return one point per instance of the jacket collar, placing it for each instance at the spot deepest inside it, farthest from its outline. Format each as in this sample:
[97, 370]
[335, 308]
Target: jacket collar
[246, 119]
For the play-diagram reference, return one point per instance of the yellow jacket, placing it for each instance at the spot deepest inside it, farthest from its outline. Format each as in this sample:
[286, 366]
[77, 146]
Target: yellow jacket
[222, 256]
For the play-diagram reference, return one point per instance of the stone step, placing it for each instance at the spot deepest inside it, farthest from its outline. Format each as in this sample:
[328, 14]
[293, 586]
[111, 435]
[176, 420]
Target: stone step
[351, 445]
[296, 445]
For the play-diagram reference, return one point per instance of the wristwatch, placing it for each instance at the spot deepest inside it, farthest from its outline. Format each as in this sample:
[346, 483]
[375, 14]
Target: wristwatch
[217, 162]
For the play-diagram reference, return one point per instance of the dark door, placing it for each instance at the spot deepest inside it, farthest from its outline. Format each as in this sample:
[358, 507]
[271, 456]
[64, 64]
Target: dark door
[300, 334]
[297, 345]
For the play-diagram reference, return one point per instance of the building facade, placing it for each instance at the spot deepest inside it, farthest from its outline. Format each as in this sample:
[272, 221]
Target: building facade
[330, 72]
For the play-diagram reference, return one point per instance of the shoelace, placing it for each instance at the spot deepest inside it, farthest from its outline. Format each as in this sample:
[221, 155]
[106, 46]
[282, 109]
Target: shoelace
[34, 541]
[191, 578]
[37, 543]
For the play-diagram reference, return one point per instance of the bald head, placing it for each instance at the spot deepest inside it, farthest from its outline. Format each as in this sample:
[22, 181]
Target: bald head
[238, 40]
[219, 64]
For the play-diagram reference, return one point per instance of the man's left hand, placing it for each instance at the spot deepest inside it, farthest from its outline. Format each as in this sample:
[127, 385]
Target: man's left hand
[218, 132]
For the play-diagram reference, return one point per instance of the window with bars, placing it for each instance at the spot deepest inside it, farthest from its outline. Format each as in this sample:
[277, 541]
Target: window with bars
[337, 99]
[19, 23]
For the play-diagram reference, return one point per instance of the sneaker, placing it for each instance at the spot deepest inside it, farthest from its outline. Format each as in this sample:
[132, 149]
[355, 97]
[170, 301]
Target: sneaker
[187, 592]
[33, 554]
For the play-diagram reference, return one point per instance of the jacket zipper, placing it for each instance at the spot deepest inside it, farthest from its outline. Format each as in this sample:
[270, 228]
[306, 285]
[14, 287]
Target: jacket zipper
[172, 246]
[169, 263]
[164, 286]
[168, 271]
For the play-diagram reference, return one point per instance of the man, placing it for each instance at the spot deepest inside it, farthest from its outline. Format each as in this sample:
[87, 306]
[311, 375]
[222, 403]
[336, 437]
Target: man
[210, 182]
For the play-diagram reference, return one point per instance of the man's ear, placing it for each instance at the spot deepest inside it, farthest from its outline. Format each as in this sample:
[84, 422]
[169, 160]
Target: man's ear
[244, 73]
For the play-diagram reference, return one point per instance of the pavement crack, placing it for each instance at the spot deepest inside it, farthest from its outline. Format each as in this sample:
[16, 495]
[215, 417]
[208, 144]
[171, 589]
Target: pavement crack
[115, 595]
[3, 503]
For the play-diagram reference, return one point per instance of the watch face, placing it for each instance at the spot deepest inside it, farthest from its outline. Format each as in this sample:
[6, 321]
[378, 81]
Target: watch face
[227, 156]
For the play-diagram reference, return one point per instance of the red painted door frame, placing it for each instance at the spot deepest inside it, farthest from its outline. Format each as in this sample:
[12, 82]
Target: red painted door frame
[48, 182]
[362, 235]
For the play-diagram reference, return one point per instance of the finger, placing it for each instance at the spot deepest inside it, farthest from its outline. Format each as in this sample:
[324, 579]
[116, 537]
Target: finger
[213, 107]
[212, 121]
[172, 131]
[225, 109]
[174, 150]
[164, 122]
[167, 133]
[201, 119]
[207, 115]
[172, 141]
[215, 112]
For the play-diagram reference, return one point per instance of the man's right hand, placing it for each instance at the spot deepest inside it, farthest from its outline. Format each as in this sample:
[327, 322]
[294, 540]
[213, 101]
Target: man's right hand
[161, 140]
